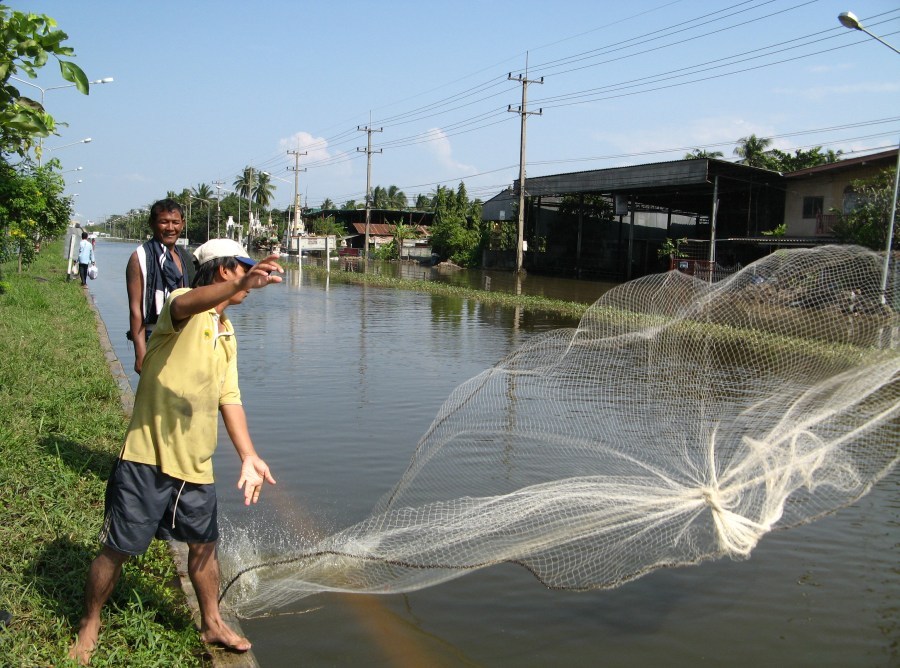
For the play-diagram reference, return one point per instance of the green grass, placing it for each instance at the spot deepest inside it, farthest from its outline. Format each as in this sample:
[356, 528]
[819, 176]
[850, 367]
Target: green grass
[528, 302]
[757, 344]
[61, 427]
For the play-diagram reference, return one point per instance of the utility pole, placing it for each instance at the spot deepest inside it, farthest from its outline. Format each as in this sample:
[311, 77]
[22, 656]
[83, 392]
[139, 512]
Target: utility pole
[296, 169]
[368, 130]
[524, 113]
[218, 185]
[249, 207]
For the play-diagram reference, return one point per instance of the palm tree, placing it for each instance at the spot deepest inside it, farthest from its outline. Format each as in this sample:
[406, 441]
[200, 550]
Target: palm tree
[327, 204]
[402, 232]
[245, 182]
[396, 198]
[752, 150]
[698, 154]
[263, 191]
[203, 191]
[380, 198]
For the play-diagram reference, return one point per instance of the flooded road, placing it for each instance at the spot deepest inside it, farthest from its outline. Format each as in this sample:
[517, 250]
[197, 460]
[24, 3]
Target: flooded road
[340, 382]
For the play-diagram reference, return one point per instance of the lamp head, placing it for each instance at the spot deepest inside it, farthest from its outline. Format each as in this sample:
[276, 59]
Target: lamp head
[849, 20]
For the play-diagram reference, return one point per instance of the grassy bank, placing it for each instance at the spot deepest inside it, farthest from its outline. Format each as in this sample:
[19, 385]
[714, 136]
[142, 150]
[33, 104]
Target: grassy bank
[61, 426]
[528, 302]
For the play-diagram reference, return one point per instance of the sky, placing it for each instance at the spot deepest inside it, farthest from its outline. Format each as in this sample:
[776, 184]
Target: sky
[204, 89]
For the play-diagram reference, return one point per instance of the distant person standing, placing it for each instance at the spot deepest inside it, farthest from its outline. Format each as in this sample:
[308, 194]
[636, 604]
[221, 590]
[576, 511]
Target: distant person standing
[85, 257]
[155, 270]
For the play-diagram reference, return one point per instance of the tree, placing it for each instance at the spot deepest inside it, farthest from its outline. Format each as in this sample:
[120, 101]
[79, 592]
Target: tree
[203, 191]
[752, 150]
[786, 162]
[199, 213]
[327, 204]
[867, 224]
[32, 208]
[245, 182]
[263, 191]
[327, 226]
[350, 204]
[28, 40]
[457, 232]
[699, 154]
[396, 198]
[401, 233]
[423, 202]
[379, 198]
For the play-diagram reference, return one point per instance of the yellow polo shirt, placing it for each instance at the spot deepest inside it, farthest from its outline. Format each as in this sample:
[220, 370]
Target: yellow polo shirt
[186, 375]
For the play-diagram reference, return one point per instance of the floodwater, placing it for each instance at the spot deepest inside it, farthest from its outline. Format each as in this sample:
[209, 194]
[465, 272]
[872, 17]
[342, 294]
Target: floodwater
[339, 383]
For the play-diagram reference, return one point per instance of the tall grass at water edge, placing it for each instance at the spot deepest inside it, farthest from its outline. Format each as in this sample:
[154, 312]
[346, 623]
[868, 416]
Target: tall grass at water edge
[61, 427]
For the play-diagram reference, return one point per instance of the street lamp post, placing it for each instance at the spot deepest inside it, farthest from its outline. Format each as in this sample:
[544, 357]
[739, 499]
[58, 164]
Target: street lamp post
[86, 140]
[849, 20]
[104, 80]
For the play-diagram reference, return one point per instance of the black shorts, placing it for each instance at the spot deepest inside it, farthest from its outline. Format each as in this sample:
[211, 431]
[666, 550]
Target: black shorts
[143, 503]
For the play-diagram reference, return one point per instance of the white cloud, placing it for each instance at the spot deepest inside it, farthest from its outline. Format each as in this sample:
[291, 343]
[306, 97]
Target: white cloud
[438, 144]
[316, 148]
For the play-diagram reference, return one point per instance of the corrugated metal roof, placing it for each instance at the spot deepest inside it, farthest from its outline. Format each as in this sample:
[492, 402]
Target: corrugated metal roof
[673, 174]
[849, 163]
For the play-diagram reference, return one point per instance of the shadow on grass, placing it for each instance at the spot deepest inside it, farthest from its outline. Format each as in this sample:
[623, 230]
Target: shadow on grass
[79, 457]
[60, 571]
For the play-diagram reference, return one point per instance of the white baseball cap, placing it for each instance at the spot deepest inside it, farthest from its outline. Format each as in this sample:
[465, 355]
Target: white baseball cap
[216, 248]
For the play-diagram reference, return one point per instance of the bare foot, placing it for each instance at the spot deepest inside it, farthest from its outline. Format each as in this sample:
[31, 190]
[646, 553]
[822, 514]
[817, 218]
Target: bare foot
[223, 635]
[85, 642]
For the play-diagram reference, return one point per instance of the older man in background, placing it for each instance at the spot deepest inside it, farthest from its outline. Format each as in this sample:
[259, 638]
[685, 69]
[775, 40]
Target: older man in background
[155, 270]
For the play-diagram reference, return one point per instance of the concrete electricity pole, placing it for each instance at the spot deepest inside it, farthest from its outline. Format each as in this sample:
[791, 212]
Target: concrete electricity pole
[524, 113]
[296, 169]
[368, 130]
[218, 185]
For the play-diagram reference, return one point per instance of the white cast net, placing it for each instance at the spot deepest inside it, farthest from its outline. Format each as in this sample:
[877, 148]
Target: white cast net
[681, 421]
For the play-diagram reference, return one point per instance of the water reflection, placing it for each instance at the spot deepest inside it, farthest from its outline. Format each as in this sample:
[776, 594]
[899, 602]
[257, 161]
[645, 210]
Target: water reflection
[339, 384]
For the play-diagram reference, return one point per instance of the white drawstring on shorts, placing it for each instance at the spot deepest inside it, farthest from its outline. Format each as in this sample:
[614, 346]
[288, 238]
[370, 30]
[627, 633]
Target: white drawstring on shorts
[177, 498]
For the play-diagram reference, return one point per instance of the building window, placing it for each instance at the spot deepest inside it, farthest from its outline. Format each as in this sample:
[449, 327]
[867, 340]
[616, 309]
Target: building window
[812, 206]
[852, 200]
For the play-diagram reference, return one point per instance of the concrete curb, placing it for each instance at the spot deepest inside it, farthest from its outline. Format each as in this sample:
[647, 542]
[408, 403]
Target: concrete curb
[219, 658]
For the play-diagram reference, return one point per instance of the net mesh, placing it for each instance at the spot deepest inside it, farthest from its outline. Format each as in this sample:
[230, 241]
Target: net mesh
[681, 421]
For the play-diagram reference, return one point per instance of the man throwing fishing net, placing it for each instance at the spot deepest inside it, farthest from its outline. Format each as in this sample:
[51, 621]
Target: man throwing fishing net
[162, 484]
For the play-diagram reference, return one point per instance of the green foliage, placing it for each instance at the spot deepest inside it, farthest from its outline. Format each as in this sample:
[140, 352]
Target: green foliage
[326, 226]
[385, 251]
[28, 40]
[457, 232]
[671, 248]
[699, 154]
[591, 206]
[791, 162]
[752, 150]
[264, 192]
[32, 209]
[778, 231]
[390, 198]
[61, 426]
[867, 225]
[328, 204]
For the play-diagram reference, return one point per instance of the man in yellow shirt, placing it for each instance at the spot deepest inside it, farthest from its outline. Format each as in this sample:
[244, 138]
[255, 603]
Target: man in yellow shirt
[162, 483]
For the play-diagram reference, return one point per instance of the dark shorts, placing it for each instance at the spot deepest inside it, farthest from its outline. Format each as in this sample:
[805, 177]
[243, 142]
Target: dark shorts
[143, 503]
